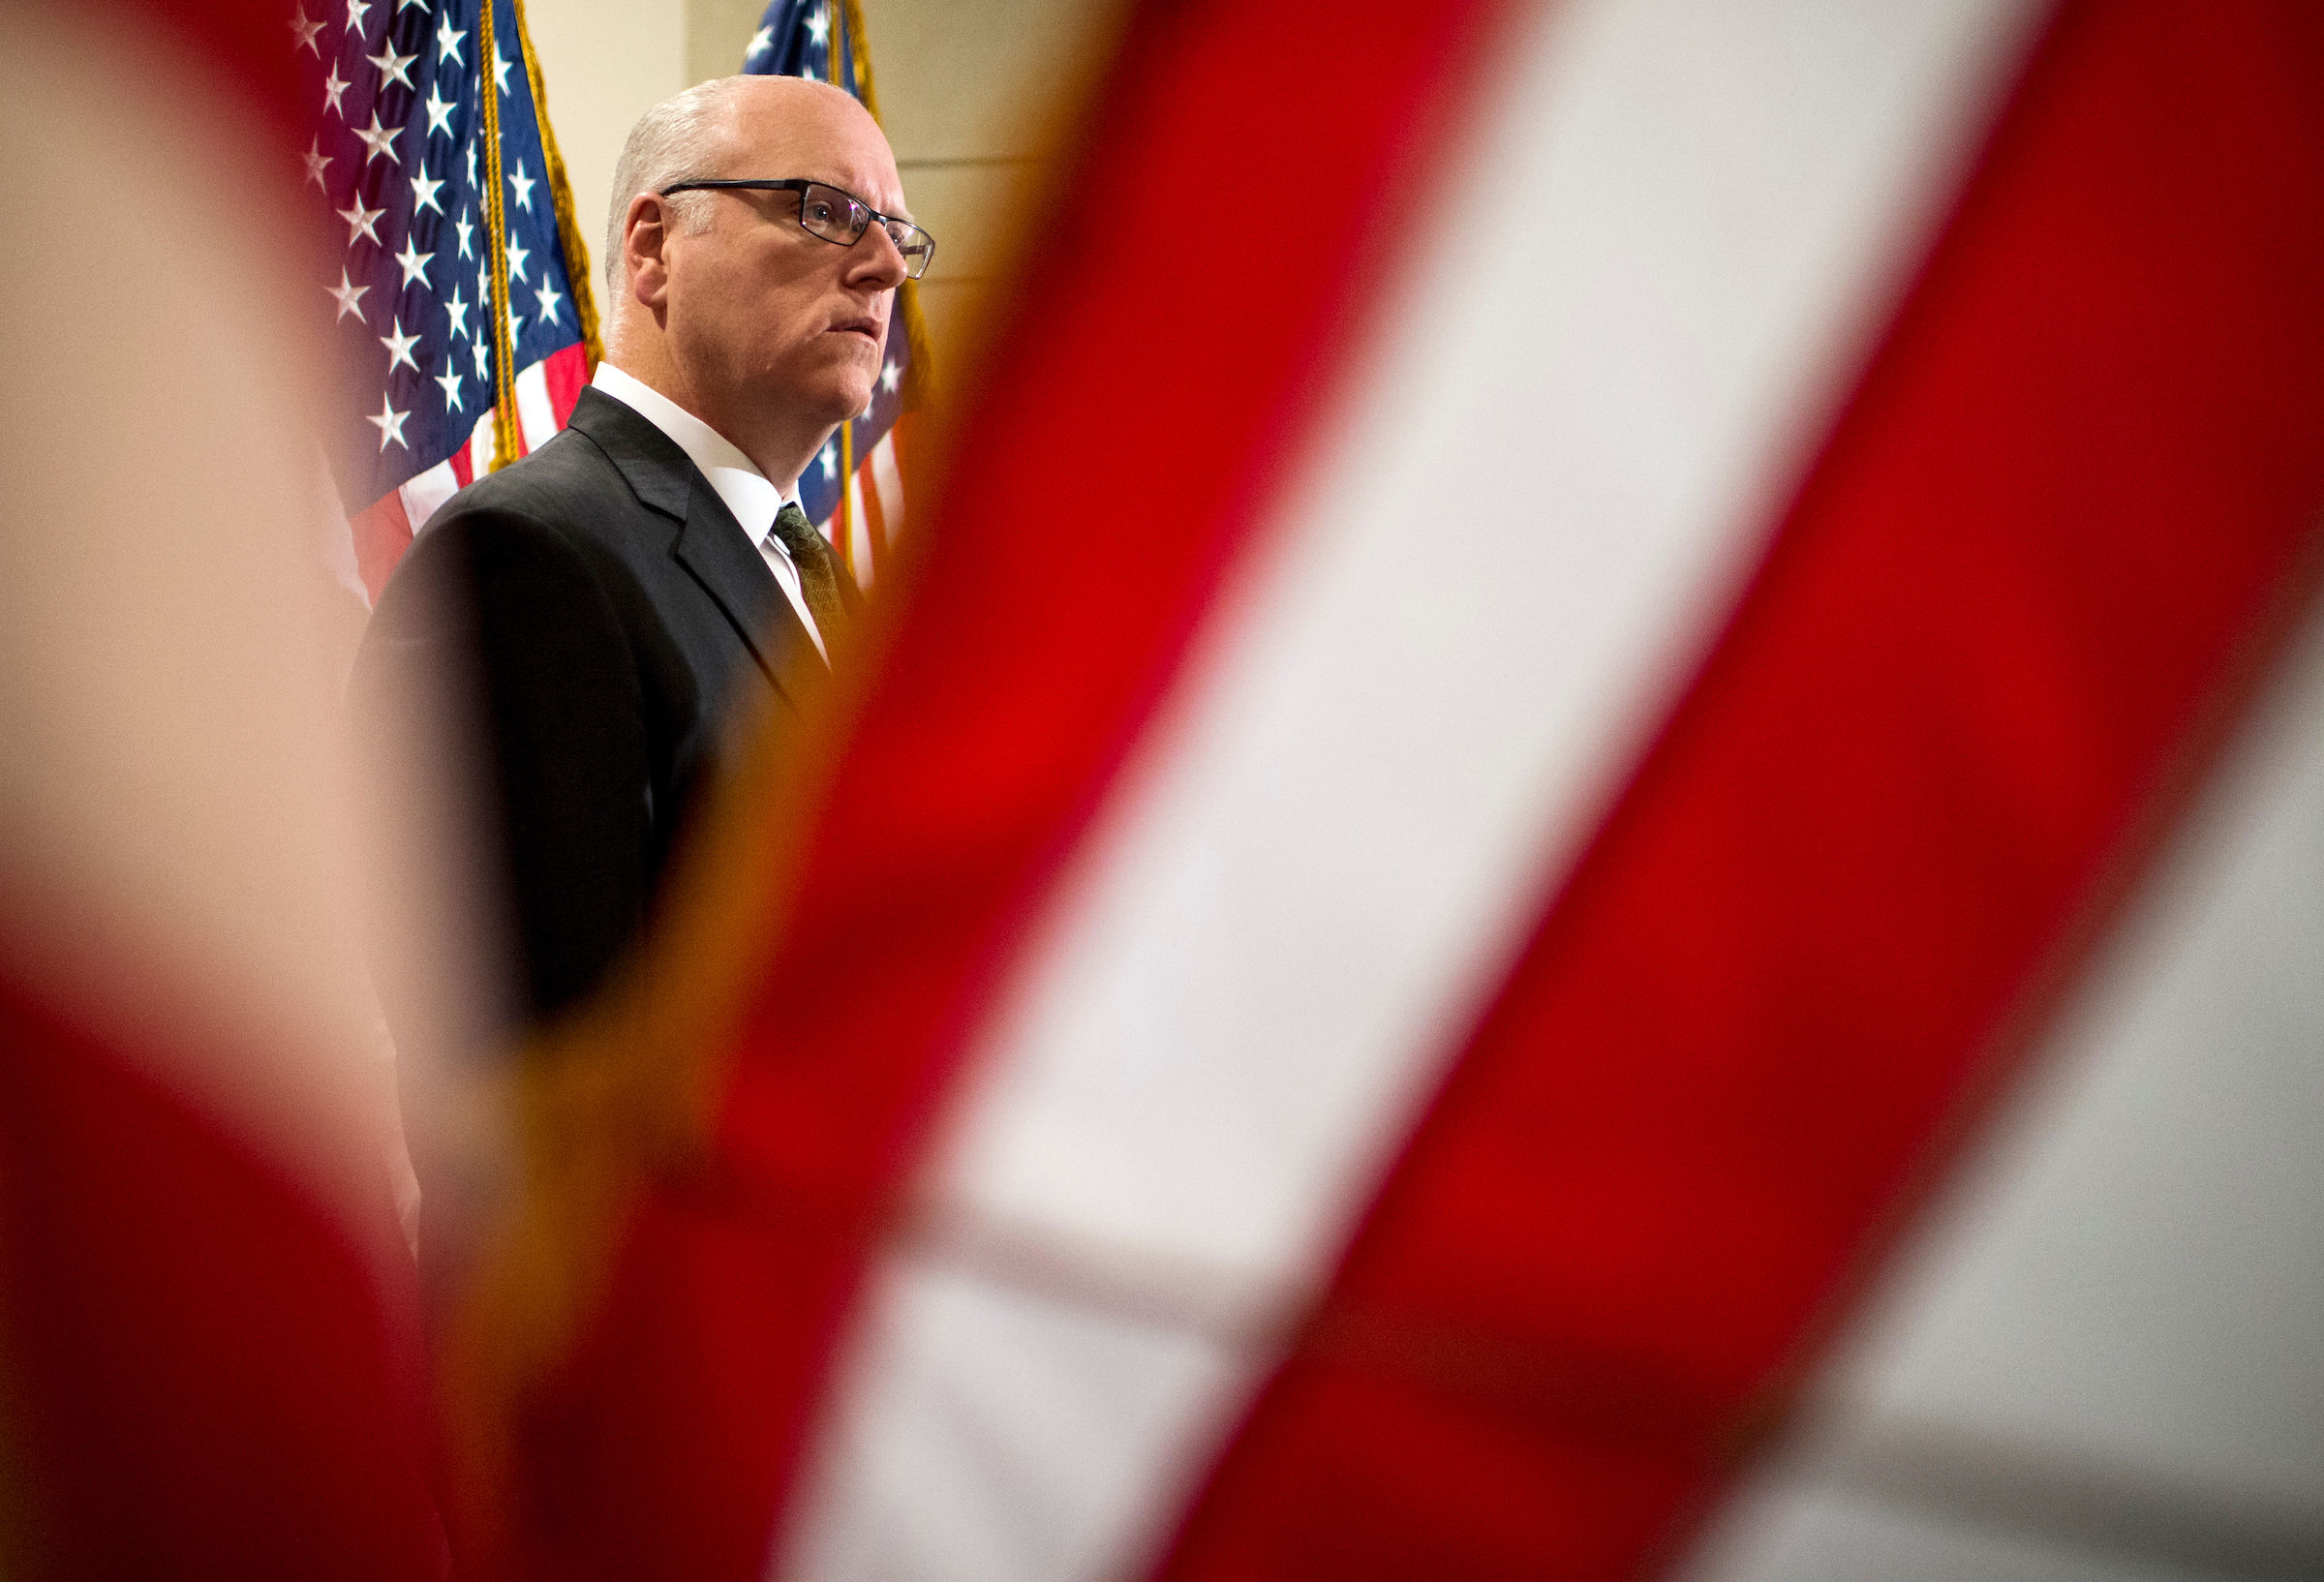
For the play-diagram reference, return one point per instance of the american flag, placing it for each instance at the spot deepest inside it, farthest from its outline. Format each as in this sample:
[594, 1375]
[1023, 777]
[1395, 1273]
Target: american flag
[434, 210]
[823, 40]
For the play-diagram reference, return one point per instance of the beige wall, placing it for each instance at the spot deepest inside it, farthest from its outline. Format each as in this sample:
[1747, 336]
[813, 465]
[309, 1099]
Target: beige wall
[602, 62]
[971, 90]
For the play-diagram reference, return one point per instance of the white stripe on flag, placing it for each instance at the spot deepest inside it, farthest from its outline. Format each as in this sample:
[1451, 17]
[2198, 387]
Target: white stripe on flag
[889, 480]
[425, 493]
[534, 414]
[859, 529]
[1510, 553]
[2122, 1284]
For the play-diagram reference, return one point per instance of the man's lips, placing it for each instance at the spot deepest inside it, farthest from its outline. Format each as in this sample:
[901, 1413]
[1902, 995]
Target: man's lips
[866, 326]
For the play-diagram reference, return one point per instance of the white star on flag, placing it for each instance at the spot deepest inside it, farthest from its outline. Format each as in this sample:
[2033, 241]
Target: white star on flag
[349, 295]
[391, 65]
[889, 377]
[818, 26]
[830, 458]
[379, 140]
[444, 281]
[760, 43]
[389, 422]
[414, 262]
[399, 347]
[360, 221]
[306, 32]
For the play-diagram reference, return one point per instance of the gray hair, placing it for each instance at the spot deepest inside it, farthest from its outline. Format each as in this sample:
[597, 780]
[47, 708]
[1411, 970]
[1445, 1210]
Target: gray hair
[677, 138]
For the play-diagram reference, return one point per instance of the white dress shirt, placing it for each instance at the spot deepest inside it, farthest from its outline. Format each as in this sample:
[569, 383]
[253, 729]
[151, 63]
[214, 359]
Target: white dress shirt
[745, 490]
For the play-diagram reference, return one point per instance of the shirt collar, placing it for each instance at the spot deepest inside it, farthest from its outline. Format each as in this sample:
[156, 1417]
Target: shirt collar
[741, 486]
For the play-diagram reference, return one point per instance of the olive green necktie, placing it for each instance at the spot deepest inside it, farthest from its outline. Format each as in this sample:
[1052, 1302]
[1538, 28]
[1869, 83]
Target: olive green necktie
[818, 577]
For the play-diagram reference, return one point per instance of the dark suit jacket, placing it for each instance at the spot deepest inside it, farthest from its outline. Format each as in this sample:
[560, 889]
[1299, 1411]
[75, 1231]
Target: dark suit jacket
[605, 617]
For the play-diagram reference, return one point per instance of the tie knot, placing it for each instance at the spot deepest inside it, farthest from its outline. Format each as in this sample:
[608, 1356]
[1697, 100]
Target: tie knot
[818, 575]
[792, 527]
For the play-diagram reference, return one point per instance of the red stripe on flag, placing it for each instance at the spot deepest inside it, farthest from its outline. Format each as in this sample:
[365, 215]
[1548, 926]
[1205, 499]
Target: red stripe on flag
[381, 534]
[990, 737]
[2066, 510]
[201, 1380]
[567, 375]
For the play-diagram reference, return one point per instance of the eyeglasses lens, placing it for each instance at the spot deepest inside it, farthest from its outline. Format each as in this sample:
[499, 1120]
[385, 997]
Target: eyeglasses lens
[914, 244]
[832, 215]
[835, 217]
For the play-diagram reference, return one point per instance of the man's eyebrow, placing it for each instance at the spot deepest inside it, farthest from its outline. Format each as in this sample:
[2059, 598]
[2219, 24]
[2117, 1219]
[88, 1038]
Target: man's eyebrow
[842, 186]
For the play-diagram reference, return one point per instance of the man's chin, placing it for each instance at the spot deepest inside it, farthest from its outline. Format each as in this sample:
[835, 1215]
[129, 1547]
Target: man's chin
[847, 402]
[835, 390]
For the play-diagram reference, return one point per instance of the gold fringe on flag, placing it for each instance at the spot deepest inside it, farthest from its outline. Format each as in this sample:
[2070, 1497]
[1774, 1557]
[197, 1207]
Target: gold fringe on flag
[570, 236]
[921, 369]
[504, 428]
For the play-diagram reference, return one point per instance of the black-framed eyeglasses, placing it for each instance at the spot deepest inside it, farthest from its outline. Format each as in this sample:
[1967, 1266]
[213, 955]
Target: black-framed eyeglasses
[835, 215]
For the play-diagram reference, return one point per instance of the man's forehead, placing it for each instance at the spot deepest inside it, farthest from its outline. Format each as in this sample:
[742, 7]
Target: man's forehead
[821, 136]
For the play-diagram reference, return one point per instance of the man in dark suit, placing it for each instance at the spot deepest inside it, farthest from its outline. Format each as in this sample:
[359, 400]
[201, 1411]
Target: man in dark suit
[608, 604]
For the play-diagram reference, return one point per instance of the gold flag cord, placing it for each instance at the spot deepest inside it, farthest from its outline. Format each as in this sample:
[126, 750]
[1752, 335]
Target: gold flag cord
[842, 515]
[569, 238]
[496, 248]
[920, 368]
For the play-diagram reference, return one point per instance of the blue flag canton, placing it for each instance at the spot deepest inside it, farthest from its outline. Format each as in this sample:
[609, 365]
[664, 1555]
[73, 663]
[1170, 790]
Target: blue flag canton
[796, 38]
[397, 155]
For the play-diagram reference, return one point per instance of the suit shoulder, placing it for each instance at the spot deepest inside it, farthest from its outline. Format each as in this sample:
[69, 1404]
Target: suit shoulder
[528, 541]
[567, 483]
[564, 501]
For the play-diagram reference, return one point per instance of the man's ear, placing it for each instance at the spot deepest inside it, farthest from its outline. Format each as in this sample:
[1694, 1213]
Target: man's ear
[645, 235]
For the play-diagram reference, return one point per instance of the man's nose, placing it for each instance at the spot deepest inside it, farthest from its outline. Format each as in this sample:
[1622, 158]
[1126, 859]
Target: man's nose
[890, 264]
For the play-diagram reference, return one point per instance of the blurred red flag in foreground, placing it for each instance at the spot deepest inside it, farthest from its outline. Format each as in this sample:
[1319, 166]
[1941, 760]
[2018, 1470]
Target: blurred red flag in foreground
[1380, 961]
[1390, 948]
[209, 1358]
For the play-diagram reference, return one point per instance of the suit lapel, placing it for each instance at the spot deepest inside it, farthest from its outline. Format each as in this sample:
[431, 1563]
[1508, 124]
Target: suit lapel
[710, 545]
[713, 546]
